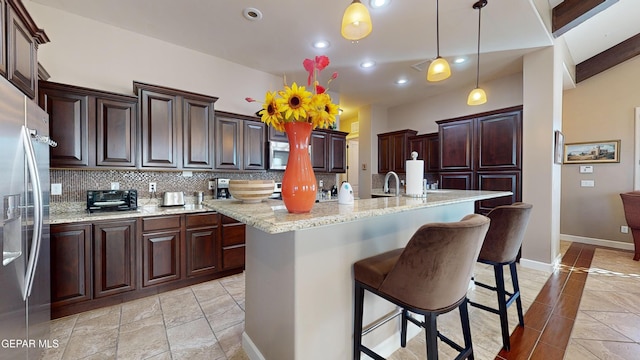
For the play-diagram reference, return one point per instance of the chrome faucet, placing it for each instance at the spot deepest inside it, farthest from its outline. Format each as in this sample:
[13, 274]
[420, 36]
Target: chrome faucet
[386, 183]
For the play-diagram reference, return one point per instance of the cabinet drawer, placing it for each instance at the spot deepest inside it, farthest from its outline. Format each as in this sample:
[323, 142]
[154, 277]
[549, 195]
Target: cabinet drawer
[233, 257]
[205, 219]
[160, 223]
[233, 234]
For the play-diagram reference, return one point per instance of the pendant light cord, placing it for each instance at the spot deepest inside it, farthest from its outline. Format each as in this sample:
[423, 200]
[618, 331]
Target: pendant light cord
[437, 29]
[478, 62]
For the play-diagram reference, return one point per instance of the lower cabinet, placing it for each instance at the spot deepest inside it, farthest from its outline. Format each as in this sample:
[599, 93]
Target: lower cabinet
[110, 261]
[161, 243]
[113, 257]
[70, 263]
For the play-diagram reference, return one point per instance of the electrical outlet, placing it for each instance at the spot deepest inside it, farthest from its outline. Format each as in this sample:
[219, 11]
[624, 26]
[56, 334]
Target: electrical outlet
[152, 187]
[56, 189]
[624, 229]
[321, 184]
[211, 184]
[115, 186]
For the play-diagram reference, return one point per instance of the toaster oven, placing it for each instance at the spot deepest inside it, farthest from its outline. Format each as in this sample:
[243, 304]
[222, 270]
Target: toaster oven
[112, 200]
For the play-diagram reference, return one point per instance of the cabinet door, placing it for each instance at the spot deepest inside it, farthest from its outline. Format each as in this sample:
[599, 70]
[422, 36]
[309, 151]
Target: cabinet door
[275, 135]
[399, 152]
[499, 139]
[160, 130]
[228, 143]
[384, 154]
[160, 257]
[456, 145]
[70, 126]
[499, 181]
[21, 61]
[319, 151]
[456, 180]
[113, 257]
[432, 162]
[337, 153]
[116, 133]
[3, 38]
[70, 263]
[197, 132]
[254, 145]
[201, 251]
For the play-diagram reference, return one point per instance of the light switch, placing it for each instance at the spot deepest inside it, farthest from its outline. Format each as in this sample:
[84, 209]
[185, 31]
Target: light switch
[587, 183]
[586, 169]
[56, 189]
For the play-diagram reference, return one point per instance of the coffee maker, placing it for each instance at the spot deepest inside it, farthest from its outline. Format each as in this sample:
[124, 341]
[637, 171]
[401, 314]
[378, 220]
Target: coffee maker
[221, 189]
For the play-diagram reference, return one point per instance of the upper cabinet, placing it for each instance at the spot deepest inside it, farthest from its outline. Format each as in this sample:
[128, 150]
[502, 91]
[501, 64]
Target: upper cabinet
[393, 150]
[240, 142]
[176, 128]
[328, 150]
[19, 60]
[427, 147]
[93, 128]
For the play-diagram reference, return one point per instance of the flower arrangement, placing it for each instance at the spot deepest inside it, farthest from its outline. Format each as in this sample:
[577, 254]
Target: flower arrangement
[296, 103]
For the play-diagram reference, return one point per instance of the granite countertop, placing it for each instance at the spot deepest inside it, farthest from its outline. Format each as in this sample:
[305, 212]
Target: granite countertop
[153, 210]
[272, 217]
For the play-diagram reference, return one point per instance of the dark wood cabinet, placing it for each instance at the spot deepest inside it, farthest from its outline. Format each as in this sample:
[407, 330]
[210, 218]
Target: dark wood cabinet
[483, 152]
[427, 147]
[337, 152]
[202, 244]
[92, 128]
[319, 151]
[233, 243]
[275, 135]
[113, 257]
[70, 263]
[240, 142]
[393, 150]
[3, 38]
[161, 241]
[197, 140]
[176, 128]
[22, 40]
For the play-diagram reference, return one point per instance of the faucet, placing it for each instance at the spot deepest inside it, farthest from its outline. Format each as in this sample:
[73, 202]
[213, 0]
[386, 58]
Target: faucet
[386, 183]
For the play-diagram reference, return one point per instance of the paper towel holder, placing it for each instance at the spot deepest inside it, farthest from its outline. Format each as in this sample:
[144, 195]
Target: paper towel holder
[414, 155]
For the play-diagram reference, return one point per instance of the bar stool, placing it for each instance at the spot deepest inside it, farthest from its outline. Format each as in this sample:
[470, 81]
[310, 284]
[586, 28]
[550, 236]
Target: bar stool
[631, 206]
[501, 246]
[429, 276]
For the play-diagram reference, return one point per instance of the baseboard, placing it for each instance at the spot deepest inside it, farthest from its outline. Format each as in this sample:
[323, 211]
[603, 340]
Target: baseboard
[542, 266]
[392, 343]
[250, 348]
[598, 242]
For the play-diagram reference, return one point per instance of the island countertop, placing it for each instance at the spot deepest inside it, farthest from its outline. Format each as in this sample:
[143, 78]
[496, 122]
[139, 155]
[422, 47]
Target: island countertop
[272, 217]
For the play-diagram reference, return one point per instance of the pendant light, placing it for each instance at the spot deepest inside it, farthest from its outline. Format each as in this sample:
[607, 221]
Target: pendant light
[356, 22]
[439, 68]
[477, 96]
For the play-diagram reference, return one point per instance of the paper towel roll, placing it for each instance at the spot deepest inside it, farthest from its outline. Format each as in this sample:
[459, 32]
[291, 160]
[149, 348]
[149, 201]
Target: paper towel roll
[415, 174]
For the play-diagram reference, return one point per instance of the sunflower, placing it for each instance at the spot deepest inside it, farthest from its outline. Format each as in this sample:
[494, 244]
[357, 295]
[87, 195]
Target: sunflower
[323, 111]
[271, 110]
[294, 102]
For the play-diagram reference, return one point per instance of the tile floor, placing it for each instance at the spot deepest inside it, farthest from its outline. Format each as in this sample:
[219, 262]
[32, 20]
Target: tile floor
[588, 306]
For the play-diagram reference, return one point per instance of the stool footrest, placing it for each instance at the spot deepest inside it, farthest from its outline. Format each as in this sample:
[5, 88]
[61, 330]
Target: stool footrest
[484, 307]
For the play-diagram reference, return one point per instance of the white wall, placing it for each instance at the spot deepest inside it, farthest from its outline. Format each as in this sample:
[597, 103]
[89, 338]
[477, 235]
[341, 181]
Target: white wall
[88, 53]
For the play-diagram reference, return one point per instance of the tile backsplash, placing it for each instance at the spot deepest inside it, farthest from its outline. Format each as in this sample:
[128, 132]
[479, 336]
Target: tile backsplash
[75, 183]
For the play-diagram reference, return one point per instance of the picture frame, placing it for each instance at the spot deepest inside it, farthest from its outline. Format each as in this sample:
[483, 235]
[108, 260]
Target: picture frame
[558, 154]
[607, 151]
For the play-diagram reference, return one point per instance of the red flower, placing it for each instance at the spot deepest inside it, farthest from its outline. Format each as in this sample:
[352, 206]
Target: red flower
[322, 62]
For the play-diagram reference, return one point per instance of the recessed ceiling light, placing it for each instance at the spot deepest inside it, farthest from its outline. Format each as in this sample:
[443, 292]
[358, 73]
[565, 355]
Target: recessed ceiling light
[459, 60]
[401, 81]
[367, 64]
[252, 14]
[379, 3]
[321, 44]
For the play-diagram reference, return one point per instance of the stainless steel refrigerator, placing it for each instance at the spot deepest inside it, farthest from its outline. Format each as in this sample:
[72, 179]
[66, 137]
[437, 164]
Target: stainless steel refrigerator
[24, 232]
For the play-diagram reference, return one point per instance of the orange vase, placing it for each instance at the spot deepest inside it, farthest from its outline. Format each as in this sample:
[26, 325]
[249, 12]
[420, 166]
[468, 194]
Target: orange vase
[299, 181]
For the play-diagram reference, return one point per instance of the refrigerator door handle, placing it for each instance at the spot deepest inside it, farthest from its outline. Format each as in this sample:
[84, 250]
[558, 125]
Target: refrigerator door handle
[38, 211]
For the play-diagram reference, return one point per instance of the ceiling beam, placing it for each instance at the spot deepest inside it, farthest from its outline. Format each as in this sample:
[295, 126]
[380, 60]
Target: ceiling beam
[609, 58]
[571, 13]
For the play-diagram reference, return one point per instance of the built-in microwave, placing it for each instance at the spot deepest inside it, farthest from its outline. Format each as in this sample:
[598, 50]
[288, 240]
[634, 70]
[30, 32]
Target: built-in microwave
[278, 155]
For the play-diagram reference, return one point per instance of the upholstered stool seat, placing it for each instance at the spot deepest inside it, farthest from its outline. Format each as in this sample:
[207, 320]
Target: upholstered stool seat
[500, 247]
[429, 276]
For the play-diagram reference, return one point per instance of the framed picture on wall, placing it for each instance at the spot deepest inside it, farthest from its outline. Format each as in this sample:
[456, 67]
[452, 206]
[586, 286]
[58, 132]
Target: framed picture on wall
[558, 153]
[592, 152]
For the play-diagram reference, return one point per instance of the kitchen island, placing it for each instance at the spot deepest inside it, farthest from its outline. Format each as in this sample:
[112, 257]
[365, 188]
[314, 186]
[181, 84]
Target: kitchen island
[299, 277]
